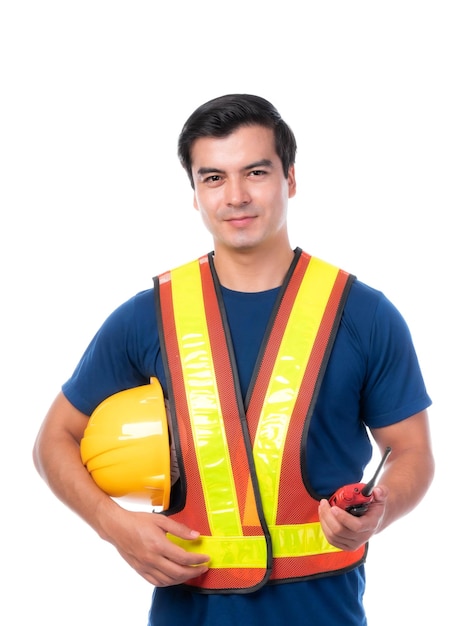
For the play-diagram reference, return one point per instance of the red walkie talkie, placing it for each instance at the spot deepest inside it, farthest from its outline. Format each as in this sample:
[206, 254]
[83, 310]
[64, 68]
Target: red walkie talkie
[355, 498]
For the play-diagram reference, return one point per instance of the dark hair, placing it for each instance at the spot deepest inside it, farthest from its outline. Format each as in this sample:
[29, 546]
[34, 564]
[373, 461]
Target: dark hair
[222, 116]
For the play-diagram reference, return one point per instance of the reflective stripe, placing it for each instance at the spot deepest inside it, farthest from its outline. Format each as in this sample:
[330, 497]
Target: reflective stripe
[300, 540]
[289, 368]
[203, 402]
[236, 551]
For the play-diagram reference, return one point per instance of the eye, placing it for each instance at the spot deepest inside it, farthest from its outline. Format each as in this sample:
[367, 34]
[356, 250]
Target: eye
[257, 173]
[212, 180]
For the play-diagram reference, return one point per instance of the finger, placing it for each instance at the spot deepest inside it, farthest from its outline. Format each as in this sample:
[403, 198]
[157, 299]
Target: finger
[166, 572]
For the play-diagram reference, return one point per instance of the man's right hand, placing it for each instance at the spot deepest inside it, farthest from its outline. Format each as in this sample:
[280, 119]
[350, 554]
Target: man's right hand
[141, 540]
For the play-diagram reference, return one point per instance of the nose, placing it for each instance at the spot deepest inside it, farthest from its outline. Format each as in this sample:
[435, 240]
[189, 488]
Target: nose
[236, 192]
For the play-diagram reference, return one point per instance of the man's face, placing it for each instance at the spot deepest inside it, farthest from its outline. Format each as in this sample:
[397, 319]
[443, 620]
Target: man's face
[240, 188]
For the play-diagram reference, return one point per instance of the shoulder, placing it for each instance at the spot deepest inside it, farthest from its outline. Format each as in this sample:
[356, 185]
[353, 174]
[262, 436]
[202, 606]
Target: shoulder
[139, 303]
[392, 384]
[368, 310]
[136, 309]
[132, 327]
[119, 355]
[363, 297]
[364, 302]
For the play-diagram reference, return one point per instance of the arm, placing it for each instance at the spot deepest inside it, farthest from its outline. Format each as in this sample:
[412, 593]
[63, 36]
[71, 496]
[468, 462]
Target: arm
[409, 470]
[140, 538]
[407, 476]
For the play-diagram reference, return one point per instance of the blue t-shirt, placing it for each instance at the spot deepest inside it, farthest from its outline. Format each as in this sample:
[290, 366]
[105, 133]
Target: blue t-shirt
[373, 379]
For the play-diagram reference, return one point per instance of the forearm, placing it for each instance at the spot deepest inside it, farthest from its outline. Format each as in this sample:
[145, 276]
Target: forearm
[407, 475]
[140, 537]
[409, 470]
[56, 456]
[407, 478]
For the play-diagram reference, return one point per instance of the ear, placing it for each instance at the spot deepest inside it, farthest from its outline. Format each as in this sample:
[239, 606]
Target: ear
[291, 182]
[195, 203]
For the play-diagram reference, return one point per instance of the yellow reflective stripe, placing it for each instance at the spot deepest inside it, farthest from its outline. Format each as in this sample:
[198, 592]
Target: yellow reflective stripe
[228, 552]
[300, 540]
[203, 402]
[288, 371]
[288, 541]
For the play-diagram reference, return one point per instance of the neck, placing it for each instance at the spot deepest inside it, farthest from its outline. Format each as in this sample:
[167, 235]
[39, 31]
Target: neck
[250, 270]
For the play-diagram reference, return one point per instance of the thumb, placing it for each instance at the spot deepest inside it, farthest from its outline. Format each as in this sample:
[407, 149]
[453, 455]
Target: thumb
[380, 493]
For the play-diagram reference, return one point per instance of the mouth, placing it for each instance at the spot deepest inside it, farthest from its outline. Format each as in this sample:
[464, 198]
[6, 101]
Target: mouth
[240, 220]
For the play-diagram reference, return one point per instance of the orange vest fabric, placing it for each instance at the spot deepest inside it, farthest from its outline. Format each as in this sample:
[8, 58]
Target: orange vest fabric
[241, 468]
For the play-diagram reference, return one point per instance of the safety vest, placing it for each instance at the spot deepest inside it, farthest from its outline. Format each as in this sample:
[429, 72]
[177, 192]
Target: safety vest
[241, 468]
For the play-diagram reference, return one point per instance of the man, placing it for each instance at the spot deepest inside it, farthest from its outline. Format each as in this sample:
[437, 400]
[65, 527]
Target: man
[299, 362]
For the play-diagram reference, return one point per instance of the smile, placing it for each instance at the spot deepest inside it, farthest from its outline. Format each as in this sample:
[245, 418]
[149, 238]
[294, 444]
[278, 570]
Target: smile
[241, 220]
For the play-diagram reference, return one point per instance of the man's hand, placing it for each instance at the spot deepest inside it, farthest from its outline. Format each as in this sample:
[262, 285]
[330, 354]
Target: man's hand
[141, 540]
[348, 532]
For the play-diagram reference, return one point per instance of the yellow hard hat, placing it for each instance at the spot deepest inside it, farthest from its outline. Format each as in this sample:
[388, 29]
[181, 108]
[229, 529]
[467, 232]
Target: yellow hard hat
[126, 447]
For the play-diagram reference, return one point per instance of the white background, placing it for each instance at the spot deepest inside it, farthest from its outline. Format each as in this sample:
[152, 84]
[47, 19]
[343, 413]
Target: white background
[94, 203]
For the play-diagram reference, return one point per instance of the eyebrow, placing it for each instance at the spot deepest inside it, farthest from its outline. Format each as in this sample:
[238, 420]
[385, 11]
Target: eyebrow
[203, 171]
